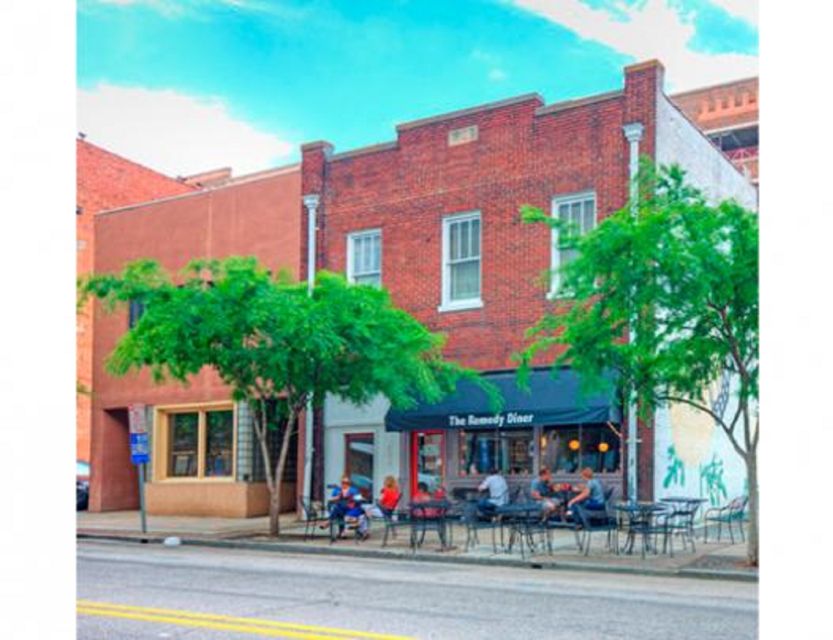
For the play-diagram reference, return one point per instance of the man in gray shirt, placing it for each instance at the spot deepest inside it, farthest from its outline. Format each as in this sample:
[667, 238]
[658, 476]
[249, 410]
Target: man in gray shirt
[498, 492]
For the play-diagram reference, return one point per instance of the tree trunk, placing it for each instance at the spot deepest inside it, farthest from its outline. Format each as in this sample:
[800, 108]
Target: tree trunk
[752, 538]
[275, 498]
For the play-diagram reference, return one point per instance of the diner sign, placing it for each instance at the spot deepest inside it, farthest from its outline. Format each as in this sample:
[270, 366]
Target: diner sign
[496, 421]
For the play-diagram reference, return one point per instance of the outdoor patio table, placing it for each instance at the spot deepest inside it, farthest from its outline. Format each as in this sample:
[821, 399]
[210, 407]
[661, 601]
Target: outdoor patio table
[640, 516]
[519, 516]
[424, 514]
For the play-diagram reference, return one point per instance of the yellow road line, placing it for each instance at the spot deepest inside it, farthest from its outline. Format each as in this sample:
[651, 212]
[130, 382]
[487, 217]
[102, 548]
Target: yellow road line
[259, 626]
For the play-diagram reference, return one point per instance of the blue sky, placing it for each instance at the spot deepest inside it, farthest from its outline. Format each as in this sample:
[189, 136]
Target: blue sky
[188, 85]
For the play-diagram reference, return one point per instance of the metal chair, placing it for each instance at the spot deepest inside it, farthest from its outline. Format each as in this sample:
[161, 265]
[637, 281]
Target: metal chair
[732, 512]
[592, 520]
[313, 516]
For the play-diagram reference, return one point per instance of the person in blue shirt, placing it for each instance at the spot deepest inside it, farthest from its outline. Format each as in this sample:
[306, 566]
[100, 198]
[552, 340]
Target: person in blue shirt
[345, 502]
[592, 495]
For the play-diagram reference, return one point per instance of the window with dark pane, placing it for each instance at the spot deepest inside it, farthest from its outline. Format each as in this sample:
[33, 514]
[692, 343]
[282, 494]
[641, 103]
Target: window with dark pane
[135, 311]
[184, 438]
[509, 451]
[219, 443]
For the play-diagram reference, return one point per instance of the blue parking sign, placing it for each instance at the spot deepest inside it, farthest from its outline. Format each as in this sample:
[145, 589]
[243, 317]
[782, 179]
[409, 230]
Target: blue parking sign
[139, 448]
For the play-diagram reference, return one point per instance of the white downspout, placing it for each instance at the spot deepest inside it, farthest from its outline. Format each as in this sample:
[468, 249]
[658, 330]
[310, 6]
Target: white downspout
[633, 133]
[311, 203]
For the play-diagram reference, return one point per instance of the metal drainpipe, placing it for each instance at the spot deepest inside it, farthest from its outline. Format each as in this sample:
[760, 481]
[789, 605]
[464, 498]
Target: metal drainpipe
[633, 132]
[311, 203]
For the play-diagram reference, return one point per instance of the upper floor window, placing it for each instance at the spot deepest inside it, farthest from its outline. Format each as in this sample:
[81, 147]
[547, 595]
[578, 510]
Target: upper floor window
[577, 214]
[461, 262]
[364, 257]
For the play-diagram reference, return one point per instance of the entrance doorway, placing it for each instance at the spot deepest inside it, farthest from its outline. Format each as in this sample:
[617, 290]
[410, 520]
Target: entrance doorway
[427, 459]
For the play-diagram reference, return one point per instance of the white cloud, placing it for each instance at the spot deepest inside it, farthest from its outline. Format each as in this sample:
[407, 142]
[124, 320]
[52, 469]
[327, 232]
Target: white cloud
[175, 133]
[746, 10]
[651, 29]
[497, 74]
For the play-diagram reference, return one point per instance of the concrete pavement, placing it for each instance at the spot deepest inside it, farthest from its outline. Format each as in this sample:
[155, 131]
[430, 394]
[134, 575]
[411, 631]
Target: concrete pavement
[715, 560]
[349, 597]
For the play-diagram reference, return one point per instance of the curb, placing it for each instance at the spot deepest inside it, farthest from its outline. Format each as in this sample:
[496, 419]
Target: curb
[347, 552]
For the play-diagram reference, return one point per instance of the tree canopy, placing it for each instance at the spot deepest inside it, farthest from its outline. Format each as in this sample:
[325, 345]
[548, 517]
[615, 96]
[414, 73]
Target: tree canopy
[270, 340]
[679, 276]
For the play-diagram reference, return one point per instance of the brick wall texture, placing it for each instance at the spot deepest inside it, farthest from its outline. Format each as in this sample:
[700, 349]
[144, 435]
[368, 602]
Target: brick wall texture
[525, 153]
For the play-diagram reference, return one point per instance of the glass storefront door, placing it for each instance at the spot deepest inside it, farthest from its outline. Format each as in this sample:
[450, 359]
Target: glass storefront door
[427, 459]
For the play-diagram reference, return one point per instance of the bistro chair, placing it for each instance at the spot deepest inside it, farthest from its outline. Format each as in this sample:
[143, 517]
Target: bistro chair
[732, 512]
[602, 520]
[425, 515]
[314, 515]
[475, 521]
[392, 520]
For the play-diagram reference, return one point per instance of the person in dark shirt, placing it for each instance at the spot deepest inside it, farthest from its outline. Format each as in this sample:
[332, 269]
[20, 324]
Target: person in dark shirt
[541, 492]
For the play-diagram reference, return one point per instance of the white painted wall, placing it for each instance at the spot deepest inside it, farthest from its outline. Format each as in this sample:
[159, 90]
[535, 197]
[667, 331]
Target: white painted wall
[681, 142]
[341, 418]
[693, 457]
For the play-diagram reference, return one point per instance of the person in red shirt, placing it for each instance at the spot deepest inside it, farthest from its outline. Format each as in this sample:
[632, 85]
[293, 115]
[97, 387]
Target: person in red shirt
[388, 499]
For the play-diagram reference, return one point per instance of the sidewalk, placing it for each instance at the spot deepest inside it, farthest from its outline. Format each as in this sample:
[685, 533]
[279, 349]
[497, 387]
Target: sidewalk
[715, 560]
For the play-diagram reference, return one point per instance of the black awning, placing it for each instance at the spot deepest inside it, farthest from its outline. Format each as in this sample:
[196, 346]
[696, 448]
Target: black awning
[552, 399]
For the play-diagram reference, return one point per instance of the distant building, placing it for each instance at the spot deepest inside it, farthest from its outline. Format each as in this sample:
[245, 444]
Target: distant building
[728, 114]
[104, 180]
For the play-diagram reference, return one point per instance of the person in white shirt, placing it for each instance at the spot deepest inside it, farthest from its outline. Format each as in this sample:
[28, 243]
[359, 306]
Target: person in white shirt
[498, 490]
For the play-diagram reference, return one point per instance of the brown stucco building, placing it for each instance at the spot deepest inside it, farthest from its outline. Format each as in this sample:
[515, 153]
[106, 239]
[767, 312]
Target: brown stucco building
[203, 450]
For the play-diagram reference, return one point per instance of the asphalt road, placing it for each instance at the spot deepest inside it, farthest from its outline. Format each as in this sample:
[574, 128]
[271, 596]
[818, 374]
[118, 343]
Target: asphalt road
[142, 591]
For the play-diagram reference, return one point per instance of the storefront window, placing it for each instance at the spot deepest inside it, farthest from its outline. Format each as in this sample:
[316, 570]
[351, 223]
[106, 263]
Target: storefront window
[219, 441]
[359, 462]
[511, 452]
[198, 444]
[570, 449]
[184, 434]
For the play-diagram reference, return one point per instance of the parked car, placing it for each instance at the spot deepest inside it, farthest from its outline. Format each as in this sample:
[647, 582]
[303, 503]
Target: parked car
[82, 485]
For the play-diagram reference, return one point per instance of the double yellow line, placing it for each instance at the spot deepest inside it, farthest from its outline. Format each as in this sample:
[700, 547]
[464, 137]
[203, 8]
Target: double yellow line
[259, 626]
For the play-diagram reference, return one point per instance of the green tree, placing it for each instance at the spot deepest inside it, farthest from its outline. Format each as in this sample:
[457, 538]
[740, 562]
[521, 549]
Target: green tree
[275, 345]
[683, 276]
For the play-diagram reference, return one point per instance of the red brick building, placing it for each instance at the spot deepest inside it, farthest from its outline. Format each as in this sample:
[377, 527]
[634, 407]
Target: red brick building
[728, 114]
[104, 180]
[433, 216]
[203, 459]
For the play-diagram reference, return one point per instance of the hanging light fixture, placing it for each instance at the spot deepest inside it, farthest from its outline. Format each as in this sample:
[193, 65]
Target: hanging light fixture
[573, 444]
[603, 447]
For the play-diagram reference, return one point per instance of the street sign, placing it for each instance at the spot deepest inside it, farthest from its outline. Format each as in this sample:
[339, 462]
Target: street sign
[136, 418]
[139, 448]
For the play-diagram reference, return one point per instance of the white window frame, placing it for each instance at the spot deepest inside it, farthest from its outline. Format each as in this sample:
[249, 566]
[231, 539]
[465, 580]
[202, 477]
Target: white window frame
[351, 237]
[446, 304]
[555, 253]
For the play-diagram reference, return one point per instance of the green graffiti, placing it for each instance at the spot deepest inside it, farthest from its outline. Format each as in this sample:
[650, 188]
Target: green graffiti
[675, 471]
[711, 481]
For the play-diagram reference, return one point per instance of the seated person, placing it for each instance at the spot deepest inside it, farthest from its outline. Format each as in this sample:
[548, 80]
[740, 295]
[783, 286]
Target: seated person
[344, 503]
[422, 495]
[591, 496]
[388, 499]
[541, 491]
[498, 492]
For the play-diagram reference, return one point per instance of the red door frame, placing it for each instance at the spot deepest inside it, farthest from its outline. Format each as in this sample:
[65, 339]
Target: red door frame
[415, 459]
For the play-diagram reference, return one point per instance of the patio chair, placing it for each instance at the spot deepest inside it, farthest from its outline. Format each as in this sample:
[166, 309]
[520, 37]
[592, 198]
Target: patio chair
[392, 520]
[475, 521]
[602, 520]
[732, 512]
[313, 516]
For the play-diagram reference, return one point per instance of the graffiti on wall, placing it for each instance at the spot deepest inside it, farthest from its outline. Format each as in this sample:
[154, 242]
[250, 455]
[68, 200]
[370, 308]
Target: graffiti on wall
[675, 471]
[691, 443]
[712, 484]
